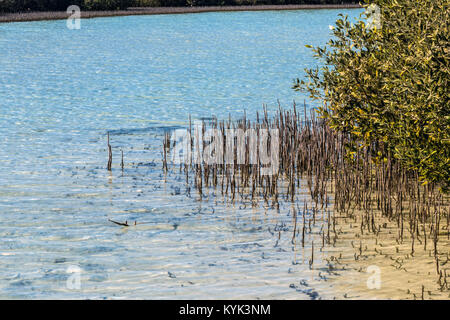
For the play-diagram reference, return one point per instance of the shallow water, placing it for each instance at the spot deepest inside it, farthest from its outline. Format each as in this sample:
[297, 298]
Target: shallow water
[60, 92]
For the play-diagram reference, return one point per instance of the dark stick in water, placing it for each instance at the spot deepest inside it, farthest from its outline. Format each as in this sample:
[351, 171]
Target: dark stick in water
[109, 155]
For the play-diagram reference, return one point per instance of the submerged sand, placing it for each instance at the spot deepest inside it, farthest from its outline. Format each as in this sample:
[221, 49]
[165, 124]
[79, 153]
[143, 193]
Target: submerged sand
[358, 259]
[361, 265]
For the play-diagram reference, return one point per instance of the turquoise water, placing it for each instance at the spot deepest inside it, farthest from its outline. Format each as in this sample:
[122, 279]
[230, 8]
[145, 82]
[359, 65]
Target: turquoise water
[136, 77]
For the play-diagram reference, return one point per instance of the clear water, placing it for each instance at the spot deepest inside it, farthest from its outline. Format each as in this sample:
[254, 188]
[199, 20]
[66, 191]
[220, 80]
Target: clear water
[60, 92]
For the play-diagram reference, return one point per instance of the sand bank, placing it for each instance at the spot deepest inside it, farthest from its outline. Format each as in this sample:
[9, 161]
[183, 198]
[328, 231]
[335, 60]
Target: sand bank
[404, 271]
[58, 15]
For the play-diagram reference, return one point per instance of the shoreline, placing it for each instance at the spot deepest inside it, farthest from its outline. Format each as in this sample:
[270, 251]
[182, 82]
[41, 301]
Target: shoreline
[61, 15]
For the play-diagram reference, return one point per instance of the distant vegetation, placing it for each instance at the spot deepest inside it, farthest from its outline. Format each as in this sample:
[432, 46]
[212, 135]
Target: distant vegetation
[389, 85]
[182, 3]
[61, 5]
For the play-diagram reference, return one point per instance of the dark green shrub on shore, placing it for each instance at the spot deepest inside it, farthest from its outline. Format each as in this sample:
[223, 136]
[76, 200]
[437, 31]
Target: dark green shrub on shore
[389, 85]
[36, 5]
[107, 4]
